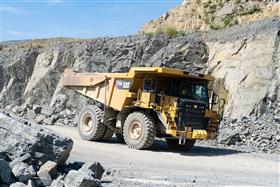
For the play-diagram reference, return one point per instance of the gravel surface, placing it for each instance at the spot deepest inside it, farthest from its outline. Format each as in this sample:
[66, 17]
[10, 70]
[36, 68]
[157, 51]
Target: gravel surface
[202, 166]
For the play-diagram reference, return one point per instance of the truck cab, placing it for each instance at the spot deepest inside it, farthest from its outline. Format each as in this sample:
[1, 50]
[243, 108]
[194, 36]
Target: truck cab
[183, 107]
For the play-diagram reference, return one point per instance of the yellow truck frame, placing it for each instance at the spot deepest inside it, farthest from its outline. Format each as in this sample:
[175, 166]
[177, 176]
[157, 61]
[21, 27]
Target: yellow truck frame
[136, 107]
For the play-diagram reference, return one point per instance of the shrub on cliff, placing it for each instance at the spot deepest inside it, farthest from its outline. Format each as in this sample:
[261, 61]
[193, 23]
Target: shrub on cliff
[170, 31]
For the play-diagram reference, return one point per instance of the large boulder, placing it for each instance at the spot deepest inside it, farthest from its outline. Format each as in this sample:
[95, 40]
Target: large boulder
[47, 172]
[81, 179]
[23, 172]
[5, 172]
[18, 184]
[96, 168]
[229, 137]
[50, 167]
[45, 177]
[18, 137]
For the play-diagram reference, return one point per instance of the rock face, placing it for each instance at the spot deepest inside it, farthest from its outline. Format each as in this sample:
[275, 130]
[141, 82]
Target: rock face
[22, 138]
[203, 15]
[247, 59]
[246, 62]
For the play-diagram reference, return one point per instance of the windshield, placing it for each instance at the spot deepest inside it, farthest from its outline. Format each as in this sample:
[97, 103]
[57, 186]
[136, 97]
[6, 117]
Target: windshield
[193, 90]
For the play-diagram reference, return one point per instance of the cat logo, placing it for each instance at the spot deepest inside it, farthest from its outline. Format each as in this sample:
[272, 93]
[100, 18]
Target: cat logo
[123, 84]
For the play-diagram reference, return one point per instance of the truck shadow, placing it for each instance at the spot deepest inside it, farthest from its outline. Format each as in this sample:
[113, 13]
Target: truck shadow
[197, 150]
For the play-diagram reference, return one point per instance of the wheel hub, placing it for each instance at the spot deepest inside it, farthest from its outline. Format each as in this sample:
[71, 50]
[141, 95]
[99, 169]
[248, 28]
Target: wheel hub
[135, 130]
[87, 123]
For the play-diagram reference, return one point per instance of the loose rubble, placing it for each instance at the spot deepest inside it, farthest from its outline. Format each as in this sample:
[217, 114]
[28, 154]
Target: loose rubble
[54, 114]
[252, 135]
[27, 141]
[255, 133]
[33, 156]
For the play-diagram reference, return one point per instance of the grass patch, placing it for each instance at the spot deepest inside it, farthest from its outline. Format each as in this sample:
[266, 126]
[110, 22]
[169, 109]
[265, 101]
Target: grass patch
[227, 20]
[170, 31]
[252, 10]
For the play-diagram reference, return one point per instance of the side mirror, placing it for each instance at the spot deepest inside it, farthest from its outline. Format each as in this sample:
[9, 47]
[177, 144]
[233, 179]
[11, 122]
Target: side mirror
[217, 104]
[214, 99]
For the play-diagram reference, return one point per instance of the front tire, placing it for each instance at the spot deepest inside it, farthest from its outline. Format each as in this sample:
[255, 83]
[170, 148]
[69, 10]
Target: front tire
[139, 130]
[174, 144]
[90, 124]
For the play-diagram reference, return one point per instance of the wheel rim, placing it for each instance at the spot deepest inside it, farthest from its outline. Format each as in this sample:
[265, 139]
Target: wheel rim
[135, 130]
[87, 123]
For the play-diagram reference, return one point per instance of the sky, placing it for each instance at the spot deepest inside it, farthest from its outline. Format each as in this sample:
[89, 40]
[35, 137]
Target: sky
[31, 19]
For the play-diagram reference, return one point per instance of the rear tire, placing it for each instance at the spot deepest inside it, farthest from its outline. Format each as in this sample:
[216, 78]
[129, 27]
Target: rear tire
[174, 144]
[90, 124]
[139, 130]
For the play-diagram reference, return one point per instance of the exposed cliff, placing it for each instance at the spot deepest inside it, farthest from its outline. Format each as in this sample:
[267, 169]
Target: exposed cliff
[247, 58]
[30, 71]
[246, 61]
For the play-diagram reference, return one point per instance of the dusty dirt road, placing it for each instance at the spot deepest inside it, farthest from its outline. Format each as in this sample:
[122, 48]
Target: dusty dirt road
[202, 166]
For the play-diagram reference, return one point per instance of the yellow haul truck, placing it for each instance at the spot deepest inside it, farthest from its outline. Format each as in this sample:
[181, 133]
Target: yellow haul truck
[145, 103]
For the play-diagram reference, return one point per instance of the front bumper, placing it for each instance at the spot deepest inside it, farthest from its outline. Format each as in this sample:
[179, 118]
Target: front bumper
[197, 135]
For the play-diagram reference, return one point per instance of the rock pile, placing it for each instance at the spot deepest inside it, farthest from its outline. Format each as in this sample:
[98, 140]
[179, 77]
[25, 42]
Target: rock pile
[55, 114]
[50, 174]
[26, 140]
[34, 156]
[254, 133]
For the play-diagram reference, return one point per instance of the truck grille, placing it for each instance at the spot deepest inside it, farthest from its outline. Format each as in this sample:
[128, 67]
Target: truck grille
[194, 120]
[191, 114]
